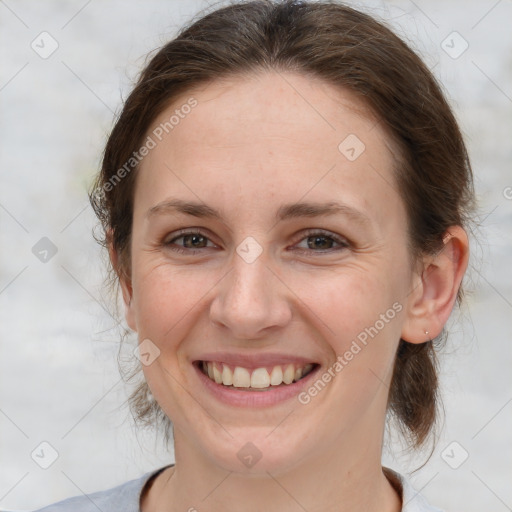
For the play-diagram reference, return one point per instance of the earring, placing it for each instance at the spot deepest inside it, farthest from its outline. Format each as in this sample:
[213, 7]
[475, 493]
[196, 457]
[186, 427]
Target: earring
[429, 338]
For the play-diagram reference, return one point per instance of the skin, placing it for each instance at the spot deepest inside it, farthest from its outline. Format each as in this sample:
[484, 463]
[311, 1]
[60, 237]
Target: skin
[251, 144]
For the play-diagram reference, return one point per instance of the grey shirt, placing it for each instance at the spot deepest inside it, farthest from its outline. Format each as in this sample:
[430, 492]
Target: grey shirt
[126, 497]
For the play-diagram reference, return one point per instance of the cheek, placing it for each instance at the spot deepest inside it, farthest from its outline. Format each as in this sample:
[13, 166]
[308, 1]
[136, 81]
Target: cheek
[359, 316]
[358, 313]
[347, 301]
[167, 299]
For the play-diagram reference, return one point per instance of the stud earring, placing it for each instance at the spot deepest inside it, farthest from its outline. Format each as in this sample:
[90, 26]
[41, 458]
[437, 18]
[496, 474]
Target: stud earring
[429, 338]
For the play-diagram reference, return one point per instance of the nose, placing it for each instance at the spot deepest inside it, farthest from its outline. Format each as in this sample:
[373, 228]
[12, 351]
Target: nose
[251, 301]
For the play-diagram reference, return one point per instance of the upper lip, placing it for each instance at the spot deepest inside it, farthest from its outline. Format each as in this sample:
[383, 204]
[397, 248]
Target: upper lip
[256, 360]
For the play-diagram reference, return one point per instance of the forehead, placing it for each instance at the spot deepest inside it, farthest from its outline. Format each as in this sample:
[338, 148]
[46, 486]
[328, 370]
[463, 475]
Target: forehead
[271, 133]
[286, 104]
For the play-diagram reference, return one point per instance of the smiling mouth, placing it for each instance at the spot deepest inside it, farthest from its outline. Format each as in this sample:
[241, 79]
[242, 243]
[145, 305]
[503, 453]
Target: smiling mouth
[257, 379]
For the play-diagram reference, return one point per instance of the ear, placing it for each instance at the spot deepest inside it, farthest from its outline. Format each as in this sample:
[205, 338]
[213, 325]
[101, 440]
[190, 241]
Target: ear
[124, 281]
[434, 292]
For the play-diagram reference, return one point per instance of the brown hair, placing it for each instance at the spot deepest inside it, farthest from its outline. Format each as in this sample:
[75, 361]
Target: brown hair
[350, 50]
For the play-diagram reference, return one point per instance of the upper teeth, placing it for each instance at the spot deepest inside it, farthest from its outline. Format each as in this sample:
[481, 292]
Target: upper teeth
[259, 378]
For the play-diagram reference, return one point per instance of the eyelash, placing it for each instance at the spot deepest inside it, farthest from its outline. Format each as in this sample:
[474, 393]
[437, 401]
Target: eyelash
[309, 234]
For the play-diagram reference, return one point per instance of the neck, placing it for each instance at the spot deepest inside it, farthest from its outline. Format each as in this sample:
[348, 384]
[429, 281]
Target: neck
[346, 477]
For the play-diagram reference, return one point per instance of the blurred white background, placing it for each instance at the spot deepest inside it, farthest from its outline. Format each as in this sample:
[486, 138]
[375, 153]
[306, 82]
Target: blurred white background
[59, 381]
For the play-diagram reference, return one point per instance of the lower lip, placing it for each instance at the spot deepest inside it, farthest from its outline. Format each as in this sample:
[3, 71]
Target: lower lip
[240, 398]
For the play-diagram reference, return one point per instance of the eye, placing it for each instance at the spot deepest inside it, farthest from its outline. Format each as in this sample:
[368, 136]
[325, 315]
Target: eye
[193, 241]
[317, 241]
[323, 240]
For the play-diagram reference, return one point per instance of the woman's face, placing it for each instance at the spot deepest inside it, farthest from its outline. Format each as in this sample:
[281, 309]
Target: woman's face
[268, 281]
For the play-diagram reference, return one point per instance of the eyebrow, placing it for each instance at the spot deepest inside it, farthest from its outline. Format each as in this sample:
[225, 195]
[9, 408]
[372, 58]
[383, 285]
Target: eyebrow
[285, 212]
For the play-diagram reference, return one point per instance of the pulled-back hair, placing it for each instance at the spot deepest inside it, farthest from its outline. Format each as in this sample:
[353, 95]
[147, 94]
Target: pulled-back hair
[349, 50]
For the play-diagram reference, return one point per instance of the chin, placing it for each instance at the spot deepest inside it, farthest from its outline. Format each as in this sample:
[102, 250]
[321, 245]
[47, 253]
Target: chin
[256, 452]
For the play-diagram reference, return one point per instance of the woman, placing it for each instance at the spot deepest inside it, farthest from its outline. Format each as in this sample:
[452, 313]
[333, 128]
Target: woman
[284, 197]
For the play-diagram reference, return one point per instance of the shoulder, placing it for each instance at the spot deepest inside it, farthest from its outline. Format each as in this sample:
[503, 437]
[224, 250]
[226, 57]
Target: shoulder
[412, 501]
[123, 498]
